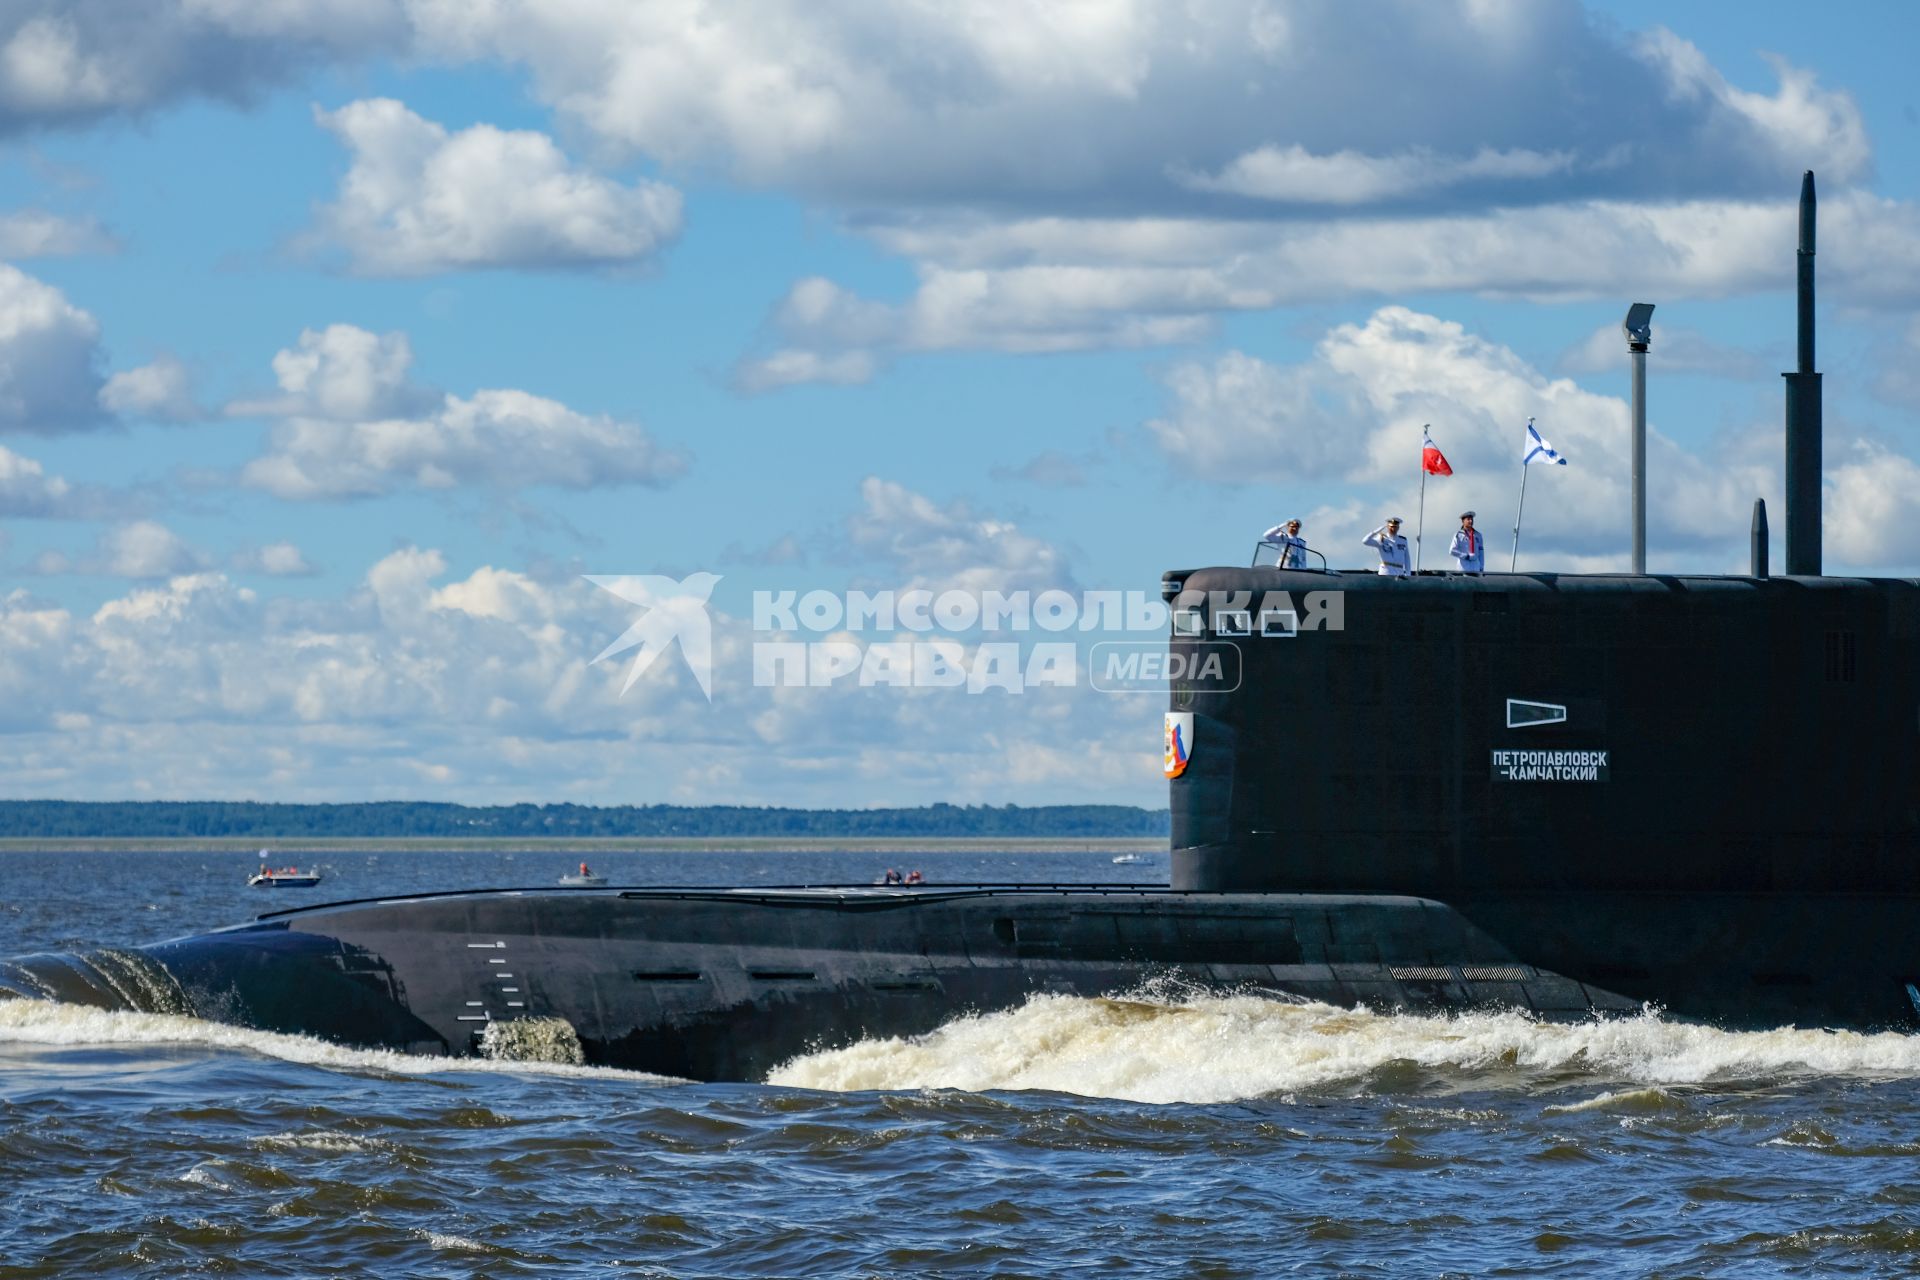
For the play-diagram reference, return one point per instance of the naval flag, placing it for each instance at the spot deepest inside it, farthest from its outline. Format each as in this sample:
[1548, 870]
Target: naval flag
[1538, 450]
[1432, 463]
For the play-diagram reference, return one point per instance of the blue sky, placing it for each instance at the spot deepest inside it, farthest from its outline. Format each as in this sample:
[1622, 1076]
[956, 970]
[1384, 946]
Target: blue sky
[339, 338]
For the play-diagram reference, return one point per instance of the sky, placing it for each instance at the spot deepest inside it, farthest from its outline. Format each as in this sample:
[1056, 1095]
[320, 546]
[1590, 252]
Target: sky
[343, 342]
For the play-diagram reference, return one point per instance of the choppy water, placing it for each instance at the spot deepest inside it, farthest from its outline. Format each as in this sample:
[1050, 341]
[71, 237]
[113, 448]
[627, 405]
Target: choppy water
[1155, 1132]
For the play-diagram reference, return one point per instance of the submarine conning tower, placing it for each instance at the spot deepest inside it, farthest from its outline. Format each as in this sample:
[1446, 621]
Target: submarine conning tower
[1448, 736]
[1466, 737]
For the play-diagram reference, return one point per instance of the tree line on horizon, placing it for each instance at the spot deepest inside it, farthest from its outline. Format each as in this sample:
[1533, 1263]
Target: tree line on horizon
[157, 819]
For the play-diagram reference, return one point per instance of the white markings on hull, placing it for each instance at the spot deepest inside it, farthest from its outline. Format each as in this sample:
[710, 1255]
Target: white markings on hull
[499, 974]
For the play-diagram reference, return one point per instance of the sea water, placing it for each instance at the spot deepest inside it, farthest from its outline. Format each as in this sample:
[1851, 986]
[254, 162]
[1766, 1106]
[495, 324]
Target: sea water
[1158, 1131]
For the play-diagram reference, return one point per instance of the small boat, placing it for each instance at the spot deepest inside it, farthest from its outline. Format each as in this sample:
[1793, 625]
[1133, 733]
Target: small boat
[283, 878]
[584, 878]
[1127, 859]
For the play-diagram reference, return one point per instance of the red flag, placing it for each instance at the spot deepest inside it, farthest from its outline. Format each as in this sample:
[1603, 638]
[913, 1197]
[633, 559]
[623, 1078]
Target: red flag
[1432, 460]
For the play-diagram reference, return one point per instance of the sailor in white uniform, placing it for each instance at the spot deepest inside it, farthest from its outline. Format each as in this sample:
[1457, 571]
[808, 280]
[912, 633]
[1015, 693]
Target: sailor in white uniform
[1293, 548]
[1469, 548]
[1394, 562]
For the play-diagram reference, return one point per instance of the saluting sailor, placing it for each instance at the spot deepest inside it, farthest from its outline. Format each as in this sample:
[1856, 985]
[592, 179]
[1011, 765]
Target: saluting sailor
[1293, 547]
[1469, 548]
[1386, 540]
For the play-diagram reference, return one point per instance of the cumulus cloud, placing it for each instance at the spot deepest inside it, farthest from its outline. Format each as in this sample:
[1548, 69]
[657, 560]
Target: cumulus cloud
[1675, 349]
[1015, 102]
[161, 391]
[349, 422]
[1870, 511]
[49, 358]
[1065, 179]
[135, 549]
[1777, 131]
[1294, 175]
[420, 200]
[71, 61]
[27, 490]
[1240, 416]
[147, 549]
[791, 367]
[925, 544]
[1021, 103]
[1051, 284]
[343, 373]
[422, 681]
[275, 560]
[1019, 153]
[832, 335]
[500, 439]
[36, 233]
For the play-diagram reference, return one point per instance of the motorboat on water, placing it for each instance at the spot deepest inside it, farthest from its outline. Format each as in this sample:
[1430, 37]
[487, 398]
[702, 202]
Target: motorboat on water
[283, 878]
[583, 878]
[1127, 860]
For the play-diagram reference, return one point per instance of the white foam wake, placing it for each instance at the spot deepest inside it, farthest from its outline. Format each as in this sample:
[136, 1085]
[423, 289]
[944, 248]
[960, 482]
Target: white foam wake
[44, 1022]
[1216, 1048]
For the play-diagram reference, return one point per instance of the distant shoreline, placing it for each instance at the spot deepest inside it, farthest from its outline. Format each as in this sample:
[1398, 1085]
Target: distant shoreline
[588, 844]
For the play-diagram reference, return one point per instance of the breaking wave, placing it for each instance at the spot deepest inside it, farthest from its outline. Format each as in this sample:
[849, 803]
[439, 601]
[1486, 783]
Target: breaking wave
[1156, 1045]
[44, 1022]
[1160, 1044]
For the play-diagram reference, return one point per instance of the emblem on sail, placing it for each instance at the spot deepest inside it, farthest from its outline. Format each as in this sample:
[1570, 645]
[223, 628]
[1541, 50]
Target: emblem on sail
[1179, 743]
[1522, 714]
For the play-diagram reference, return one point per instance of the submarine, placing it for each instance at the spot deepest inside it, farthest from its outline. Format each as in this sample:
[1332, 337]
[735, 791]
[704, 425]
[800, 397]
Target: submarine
[1567, 794]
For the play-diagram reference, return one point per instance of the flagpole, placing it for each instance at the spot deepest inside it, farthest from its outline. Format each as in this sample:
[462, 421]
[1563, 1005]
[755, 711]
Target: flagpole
[1420, 530]
[1516, 519]
[1521, 510]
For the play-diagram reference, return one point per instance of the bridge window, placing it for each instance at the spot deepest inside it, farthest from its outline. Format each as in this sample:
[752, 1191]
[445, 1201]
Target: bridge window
[1281, 624]
[1232, 622]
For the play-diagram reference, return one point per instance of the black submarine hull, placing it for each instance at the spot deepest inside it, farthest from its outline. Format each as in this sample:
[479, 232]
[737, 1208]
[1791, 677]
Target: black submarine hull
[726, 985]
